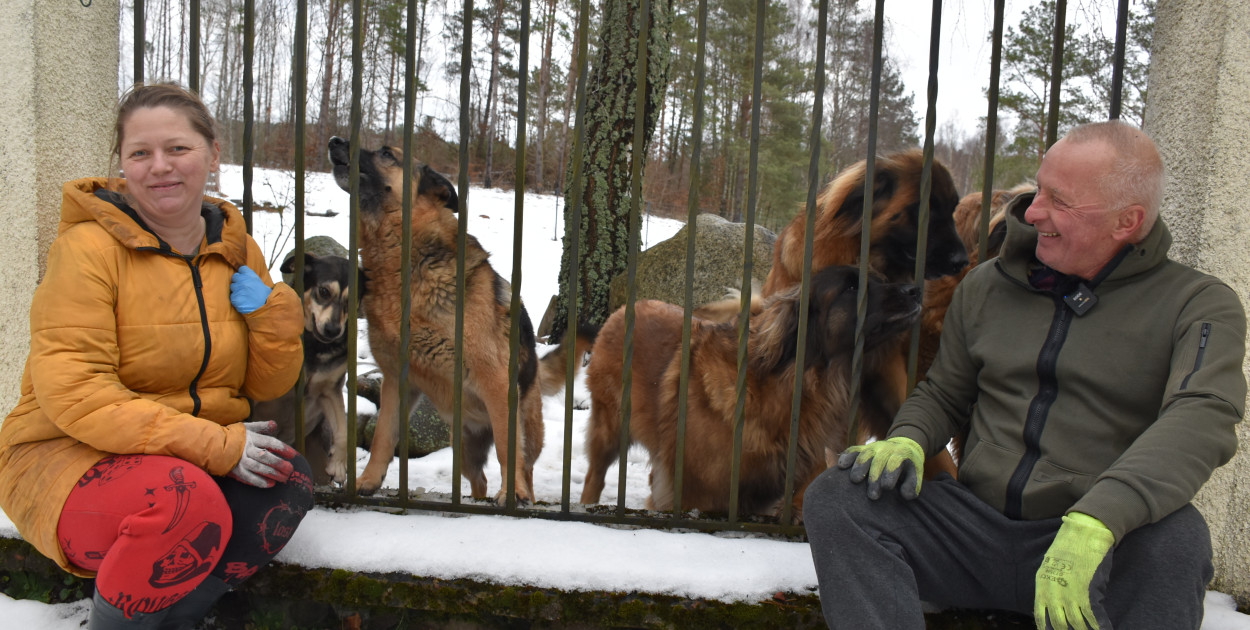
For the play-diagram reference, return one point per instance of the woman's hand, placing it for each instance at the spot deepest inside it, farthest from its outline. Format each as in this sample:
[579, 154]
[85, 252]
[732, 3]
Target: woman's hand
[247, 291]
[265, 459]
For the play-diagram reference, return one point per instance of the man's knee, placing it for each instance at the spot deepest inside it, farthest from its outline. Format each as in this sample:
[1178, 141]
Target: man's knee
[832, 494]
[1181, 542]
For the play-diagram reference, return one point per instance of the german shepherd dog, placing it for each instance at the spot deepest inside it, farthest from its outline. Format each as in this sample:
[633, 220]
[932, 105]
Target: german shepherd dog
[326, 295]
[487, 320]
[773, 335]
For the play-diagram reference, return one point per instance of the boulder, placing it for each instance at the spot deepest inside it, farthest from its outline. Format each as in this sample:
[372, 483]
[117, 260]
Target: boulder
[719, 247]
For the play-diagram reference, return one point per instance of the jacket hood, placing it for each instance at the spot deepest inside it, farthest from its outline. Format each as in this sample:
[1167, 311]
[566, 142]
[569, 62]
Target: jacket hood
[1020, 245]
[91, 200]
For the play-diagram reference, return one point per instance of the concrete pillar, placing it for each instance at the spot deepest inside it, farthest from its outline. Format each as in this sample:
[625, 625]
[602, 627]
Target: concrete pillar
[1197, 106]
[58, 89]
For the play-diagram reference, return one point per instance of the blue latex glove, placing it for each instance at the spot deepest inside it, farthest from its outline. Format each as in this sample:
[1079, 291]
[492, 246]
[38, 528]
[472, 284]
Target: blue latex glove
[247, 291]
[887, 464]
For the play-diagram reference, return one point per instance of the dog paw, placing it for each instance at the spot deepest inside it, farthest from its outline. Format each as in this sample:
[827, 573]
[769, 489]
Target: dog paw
[522, 500]
[366, 487]
[337, 471]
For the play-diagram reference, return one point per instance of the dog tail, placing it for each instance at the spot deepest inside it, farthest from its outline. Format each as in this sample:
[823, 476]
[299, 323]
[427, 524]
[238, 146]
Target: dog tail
[729, 307]
[552, 367]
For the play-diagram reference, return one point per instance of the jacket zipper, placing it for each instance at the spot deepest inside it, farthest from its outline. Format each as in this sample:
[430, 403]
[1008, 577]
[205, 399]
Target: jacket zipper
[1202, 349]
[1039, 409]
[208, 339]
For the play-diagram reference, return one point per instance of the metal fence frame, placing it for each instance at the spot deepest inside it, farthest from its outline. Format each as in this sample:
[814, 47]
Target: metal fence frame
[565, 509]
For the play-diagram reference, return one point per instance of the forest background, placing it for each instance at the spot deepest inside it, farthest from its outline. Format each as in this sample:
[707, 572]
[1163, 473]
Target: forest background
[751, 156]
[786, 104]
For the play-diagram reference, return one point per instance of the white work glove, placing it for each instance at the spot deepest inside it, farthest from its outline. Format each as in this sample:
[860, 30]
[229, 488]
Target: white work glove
[266, 459]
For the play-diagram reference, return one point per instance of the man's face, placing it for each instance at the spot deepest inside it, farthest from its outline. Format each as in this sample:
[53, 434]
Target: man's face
[1076, 226]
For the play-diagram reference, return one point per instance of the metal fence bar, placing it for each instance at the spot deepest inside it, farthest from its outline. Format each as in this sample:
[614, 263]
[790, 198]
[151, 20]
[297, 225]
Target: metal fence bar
[809, 236]
[926, 185]
[748, 256]
[870, 174]
[637, 157]
[1117, 68]
[517, 232]
[457, 425]
[139, 28]
[353, 185]
[991, 129]
[193, 61]
[692, 213]
[249, 113]
[300, 106]
[1056, 74]
[572, 229]
[405, 251]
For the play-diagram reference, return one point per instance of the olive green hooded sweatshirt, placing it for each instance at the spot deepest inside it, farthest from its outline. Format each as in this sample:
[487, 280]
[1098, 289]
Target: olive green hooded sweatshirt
[1115, 396]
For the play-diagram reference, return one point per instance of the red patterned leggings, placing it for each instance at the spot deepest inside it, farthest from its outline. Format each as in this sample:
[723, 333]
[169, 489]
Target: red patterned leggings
[154, 527]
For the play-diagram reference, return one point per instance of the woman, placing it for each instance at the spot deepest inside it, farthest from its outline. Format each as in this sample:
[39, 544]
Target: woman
[127, 457]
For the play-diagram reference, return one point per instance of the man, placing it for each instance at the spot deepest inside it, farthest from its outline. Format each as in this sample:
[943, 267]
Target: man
[1099, 384]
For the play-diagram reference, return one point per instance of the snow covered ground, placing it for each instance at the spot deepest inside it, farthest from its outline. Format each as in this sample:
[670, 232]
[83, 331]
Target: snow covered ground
[573, 556]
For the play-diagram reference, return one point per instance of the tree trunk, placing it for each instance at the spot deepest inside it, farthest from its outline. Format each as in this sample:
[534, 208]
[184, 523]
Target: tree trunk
[610, 118]
[488, 116]
[324, 118]
[544, 83]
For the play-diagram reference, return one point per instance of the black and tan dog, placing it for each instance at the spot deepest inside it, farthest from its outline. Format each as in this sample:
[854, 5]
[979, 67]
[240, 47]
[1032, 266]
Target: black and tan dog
[891, 310]
[326, 295]
[487, 323]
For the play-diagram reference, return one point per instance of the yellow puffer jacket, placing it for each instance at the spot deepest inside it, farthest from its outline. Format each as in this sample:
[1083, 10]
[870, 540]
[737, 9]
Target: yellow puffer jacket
[136, 349]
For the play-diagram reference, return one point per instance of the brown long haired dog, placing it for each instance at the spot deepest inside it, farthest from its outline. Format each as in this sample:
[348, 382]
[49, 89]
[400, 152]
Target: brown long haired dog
[773, 335]
[487, 324]
[894, 224]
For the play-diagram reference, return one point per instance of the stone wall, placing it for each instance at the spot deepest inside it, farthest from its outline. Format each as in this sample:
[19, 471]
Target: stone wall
[58, 90]
[1197, 109]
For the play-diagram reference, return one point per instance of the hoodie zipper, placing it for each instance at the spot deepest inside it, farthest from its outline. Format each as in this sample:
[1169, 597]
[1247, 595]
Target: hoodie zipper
[208, 338]
[1202, 349]
[1039, 408]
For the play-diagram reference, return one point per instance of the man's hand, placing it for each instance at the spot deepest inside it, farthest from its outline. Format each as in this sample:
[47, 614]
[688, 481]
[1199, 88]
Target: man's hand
[266, 459]
[1063, 581]
[886, 464]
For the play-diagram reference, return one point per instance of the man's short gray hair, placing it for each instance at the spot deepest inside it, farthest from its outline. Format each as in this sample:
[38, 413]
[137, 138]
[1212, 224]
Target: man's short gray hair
[1137, 176]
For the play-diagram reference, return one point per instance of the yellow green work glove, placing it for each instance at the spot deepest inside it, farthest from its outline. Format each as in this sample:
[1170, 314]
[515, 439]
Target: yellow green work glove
[895, 462]
[1063, 581]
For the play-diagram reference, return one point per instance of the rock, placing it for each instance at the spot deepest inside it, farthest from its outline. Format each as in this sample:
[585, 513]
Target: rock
[719, 247]
[319, 245]
[426, 430]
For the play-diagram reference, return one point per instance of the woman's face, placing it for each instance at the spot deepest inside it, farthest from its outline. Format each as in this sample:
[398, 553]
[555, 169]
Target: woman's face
[166, 164]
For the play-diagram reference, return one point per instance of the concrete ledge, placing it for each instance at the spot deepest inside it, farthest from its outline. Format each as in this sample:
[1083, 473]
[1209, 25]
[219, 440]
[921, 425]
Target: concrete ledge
[290, 596]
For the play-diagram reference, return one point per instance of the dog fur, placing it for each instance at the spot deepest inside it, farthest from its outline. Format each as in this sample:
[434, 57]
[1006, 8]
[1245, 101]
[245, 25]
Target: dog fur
[326, 295]
[773, 335]
[938, 292]
[487, 324]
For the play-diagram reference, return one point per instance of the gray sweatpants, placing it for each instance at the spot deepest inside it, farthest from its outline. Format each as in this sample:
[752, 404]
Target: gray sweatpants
[877, 560]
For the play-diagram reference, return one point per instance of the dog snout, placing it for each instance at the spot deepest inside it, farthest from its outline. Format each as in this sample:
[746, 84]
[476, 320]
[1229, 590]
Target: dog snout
[946, 263]
[332, 330]
[338, 150]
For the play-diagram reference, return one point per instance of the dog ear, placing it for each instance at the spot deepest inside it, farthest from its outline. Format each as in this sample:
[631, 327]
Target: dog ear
[288, 265]
[435, 185]
[775, 338]
[850, 212]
